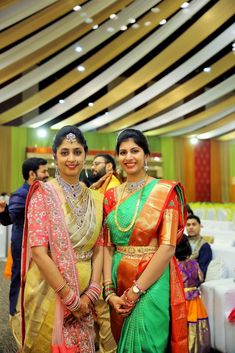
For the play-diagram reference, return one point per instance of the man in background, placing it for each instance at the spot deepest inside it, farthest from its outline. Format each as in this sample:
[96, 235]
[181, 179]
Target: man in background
[104, 172]
[201, 251]
[32, 169]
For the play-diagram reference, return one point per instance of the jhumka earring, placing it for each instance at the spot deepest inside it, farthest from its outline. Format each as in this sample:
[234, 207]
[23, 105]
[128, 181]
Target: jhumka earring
[57, 173]
[146, 165]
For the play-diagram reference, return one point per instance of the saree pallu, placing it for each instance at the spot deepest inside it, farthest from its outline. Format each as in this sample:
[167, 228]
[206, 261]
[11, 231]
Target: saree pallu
[44, 318]
[160, 220]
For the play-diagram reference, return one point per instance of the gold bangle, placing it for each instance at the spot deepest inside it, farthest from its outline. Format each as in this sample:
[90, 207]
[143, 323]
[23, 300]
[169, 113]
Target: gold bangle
[60, 287]
[109, 296]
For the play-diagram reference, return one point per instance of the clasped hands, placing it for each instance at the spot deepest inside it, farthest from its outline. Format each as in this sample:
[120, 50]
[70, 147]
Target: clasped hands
[86, 306]
[124, 304]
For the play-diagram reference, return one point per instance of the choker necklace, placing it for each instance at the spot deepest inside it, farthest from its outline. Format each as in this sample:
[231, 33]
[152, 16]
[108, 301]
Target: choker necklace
[72, 190]
[132, 186]
[122, 229]
[73, 196]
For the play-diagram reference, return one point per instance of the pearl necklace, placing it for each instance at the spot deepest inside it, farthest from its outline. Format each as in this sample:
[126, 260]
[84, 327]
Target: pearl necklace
[126, 229]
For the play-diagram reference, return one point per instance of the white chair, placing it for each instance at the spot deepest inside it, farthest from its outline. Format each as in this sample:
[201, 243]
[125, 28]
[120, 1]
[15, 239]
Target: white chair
[224, 330]
[208, 298]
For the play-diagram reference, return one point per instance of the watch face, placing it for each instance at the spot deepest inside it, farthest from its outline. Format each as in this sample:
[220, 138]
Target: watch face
[135, 289]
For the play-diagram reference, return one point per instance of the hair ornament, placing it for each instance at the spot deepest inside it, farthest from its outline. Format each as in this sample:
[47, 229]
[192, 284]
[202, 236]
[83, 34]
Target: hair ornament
[71, 137]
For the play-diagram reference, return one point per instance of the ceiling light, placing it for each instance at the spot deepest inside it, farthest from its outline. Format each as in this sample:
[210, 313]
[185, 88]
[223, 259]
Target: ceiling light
[78, 49]
[162, 22]
[113, 16]
[95, 26]
[194, 140]
[155, 10]
[207, 69]
[106, 113]
[147, 23]
[77, 8]
[88, 20]
[42, 133]
[123, 28]
[184, 5]
[131, 20]
[61, 101]
[90, 104]
[135, 25]
[81, 68]
[110, 29]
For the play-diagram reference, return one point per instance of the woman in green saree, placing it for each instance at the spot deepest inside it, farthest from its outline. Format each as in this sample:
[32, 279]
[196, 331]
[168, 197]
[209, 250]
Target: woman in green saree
[61, 264]
[144, 218]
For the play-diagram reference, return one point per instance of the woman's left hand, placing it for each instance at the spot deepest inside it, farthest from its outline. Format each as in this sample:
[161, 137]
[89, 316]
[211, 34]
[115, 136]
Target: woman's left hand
[84, 308]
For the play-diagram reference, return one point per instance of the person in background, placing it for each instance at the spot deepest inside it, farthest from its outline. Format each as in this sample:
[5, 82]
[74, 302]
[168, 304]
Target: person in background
[61, 258]
[104, 171]
[14, 213]
[144, 219]
[198, 325]
[5, 197]
[201, 251]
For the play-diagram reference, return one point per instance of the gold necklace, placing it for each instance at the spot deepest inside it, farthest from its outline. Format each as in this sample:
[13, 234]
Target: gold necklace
[122, 229]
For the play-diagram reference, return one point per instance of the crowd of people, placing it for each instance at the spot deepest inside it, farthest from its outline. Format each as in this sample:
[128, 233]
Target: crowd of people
[93, 262]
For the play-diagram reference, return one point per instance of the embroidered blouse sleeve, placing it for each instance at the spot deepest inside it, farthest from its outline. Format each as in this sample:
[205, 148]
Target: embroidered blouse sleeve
[168, 228]
[37, 221]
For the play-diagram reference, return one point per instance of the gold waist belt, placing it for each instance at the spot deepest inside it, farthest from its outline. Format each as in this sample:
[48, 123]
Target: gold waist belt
[136, 251]
[190, 289]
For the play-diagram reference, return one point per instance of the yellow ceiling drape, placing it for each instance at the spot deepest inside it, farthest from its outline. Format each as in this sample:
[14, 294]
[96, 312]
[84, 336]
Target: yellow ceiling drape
[117, 46]
[174, 96]
[201, 29]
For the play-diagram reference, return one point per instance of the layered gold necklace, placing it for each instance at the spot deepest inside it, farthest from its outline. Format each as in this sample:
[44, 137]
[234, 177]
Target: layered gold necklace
[126, 229]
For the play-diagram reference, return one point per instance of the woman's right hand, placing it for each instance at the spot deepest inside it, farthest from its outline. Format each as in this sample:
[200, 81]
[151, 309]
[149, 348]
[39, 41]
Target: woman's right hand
[84, 308]
[119, 305]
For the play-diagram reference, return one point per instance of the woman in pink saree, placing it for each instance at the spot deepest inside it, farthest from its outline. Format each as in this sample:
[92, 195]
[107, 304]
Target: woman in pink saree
[61, 260]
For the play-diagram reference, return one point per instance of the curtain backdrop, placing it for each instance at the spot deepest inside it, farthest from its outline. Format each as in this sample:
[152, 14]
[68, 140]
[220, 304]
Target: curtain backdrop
[168, 158]
[18, 155]
[207, 170]
[232, 171]
[5, 158]
[215, 167]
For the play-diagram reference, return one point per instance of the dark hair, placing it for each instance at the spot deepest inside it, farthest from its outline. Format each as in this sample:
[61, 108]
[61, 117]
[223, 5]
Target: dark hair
[183, 249]
[108, 159]
[32, 164]
[137, 136]
[63, 132]
[189, 210]
[193, 216]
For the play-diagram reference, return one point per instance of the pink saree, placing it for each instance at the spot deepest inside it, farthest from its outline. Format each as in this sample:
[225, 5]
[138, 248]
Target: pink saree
[68, 336]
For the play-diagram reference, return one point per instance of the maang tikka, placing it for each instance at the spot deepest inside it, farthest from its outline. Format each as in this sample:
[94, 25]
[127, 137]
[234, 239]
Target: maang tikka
[71, 137]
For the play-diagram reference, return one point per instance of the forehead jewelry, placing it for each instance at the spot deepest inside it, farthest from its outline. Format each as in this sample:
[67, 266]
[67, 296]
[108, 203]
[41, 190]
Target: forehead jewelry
[71, 137]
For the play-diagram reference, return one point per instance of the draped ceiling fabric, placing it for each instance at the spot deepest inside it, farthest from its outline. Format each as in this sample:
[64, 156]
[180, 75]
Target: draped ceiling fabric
[105, 73]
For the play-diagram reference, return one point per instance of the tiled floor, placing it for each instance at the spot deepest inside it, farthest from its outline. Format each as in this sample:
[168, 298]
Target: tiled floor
[7, 342]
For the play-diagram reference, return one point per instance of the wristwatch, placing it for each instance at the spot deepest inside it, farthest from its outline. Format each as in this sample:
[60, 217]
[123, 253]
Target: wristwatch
[135, 289]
